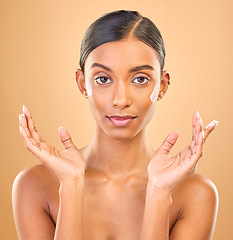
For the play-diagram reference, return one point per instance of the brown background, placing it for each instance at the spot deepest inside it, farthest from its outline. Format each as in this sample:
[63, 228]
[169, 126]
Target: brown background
[40, 43]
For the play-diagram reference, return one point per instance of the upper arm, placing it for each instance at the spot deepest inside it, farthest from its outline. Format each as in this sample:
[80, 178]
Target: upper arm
[30, 207]
[198, 212]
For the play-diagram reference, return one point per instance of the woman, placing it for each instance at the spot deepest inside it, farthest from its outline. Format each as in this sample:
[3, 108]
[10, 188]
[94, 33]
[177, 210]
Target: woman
[117, 187]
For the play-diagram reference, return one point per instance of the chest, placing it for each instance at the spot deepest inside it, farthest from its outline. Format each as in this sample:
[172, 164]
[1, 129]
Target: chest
[111, 211]
[114, 211]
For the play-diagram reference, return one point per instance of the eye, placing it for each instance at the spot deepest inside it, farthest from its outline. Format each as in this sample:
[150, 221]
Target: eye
[102, 80]
[141, 80]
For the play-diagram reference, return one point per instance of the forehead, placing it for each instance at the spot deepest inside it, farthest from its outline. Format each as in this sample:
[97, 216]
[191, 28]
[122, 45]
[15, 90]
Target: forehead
[123, 54]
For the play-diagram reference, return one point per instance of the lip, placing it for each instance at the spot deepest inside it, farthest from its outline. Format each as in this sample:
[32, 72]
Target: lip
[121, 121]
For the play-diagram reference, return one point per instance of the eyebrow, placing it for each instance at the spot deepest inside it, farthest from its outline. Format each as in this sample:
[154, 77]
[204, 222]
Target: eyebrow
[134, 69]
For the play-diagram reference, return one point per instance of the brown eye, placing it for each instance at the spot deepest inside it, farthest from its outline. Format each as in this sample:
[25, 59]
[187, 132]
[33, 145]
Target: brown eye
[141, 80]
[102, 80]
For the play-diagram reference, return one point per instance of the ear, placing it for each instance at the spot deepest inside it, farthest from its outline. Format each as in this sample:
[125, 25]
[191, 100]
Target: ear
[80, 79]
[165, 81]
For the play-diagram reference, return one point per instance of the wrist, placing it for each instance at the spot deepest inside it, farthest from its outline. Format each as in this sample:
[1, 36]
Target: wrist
[159, 193]
[72, 179]
[74, 183]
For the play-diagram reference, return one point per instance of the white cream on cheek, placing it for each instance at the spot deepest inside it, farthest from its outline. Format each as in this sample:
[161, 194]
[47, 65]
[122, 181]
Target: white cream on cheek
[155, 93]
[88, 87]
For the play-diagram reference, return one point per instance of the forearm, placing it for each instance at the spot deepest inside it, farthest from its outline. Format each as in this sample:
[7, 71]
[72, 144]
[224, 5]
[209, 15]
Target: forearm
[156, 215]
[70, 214]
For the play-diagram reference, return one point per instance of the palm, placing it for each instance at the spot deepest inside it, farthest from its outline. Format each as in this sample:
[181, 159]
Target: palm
[170, 170]
[68, 163]
[167, 171]
[64, 163]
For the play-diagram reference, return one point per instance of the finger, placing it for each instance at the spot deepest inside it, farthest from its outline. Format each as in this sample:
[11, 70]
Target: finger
[28, 142]
[199, 149]
[199, 143]
[42, 153]
[195, 148]
[209, 129]
[23, 123]
[36, 142]
[31, 126]
[65, 138]
[198, 132]
[168, 143]
[194, 120]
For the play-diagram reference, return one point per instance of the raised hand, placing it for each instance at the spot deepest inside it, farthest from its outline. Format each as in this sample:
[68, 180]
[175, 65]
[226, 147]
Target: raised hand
[166, 171]
[67, 165]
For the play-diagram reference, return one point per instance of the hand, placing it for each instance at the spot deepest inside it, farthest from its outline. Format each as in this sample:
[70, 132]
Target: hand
[165, 171]
[68, 164]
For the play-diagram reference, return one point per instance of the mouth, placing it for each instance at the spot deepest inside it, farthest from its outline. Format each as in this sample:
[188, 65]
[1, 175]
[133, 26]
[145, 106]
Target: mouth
[121, 121]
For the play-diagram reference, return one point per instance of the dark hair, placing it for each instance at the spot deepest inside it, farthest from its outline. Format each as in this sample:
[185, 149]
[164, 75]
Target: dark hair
[118, 25]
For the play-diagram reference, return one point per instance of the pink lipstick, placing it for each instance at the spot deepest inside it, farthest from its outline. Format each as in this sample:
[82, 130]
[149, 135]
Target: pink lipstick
[121, 121]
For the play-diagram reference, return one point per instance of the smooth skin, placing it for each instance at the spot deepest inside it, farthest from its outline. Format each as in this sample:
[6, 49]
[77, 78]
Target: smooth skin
[117, 187]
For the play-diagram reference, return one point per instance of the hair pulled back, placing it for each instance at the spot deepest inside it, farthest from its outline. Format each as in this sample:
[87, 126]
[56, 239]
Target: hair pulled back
[118, 25]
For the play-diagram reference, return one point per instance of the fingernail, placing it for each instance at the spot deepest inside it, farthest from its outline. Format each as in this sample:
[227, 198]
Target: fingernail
[21, 115]
[213, 123]
[23, 109]
[20, 129]
[198, 115]
[200, 121]
[61, 128]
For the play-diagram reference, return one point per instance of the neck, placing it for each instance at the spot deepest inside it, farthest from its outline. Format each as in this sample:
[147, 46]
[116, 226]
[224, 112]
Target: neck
[118, 158]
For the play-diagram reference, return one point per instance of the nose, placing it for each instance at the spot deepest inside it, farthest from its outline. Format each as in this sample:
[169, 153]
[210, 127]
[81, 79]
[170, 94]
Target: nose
[121, 96]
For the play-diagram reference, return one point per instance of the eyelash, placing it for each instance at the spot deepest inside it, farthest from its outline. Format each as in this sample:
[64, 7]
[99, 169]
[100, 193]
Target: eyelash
[142, 77]
[98, 78]
[106, 78]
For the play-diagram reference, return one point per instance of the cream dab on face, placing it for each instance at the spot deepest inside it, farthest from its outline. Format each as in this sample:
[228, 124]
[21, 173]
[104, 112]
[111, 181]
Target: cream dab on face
[154, 94]
[88, 87]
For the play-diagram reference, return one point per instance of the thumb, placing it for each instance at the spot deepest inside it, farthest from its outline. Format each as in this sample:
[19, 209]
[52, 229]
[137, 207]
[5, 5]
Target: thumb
[65, 138]
[168, 143]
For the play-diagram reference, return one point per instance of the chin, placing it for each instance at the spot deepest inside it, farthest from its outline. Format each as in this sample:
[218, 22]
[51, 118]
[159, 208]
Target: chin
[122, 134]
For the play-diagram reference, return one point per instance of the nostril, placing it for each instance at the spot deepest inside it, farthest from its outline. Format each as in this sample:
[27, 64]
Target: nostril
[122, 99]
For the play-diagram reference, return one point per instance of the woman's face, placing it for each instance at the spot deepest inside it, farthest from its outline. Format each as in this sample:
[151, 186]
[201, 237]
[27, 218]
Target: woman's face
[122, 80]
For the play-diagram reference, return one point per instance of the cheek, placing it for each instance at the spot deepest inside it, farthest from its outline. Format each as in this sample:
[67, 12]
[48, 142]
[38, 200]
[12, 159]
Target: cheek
[89, 88]
[148, 115]
[155, 92]
[148, 109]
[148, 104]
[99, 104]
[145, 106]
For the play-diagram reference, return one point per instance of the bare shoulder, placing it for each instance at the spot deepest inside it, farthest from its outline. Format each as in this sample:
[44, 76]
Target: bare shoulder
[30, 194]
[34, 182]
[35, 176]
[196, 201]
[38, 170]
[197, 187]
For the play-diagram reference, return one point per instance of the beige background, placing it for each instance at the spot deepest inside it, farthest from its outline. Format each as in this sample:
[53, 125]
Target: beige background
[40, 43]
